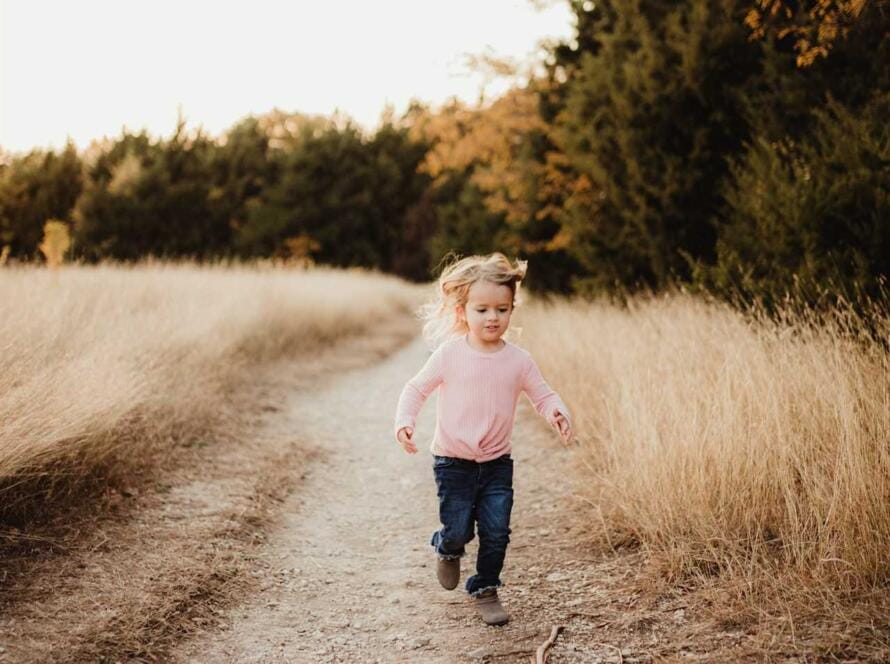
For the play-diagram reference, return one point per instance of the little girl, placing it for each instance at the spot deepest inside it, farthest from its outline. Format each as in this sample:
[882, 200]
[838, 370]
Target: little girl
[480, 376]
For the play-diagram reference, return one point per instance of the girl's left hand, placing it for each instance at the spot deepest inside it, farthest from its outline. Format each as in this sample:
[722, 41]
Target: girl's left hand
[562, 424]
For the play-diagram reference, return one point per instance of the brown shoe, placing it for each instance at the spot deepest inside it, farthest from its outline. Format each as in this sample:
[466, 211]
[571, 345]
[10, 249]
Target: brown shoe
[448, 572]
[490, 608]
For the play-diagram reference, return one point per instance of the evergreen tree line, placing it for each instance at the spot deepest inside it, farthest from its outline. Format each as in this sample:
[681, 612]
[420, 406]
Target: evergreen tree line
[277, 186]
[667, 142]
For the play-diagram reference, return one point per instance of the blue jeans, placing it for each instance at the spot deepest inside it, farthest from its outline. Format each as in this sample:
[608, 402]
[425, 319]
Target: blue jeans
[479, 494]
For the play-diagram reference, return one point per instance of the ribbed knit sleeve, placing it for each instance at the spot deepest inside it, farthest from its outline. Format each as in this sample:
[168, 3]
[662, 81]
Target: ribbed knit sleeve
[416, 391]
[543, 397]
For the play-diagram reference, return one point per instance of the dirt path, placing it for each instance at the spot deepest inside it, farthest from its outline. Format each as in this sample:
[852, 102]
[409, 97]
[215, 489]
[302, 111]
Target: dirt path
[320, 523]
[348, 576]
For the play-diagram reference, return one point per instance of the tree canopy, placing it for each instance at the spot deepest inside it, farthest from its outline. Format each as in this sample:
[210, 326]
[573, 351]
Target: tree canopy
[734, 145]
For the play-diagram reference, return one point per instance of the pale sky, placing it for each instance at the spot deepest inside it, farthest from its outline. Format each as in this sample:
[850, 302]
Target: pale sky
[86, 68]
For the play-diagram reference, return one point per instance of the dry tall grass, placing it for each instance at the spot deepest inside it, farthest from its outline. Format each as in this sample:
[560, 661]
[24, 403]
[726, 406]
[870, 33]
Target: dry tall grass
[111, 362]
[728, 444]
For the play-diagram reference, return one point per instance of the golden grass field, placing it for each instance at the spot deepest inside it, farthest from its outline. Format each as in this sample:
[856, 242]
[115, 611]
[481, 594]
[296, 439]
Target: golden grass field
[107, 363]
[728, 444]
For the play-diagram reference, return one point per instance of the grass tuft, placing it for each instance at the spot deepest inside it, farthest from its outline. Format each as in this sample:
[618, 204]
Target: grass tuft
[732, 446]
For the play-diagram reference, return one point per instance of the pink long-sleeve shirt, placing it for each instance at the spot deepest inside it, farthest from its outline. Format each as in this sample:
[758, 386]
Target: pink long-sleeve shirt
[478, 394]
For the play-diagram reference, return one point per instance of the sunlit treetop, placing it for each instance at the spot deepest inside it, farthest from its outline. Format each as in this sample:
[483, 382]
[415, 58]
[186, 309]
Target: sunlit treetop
[815, 25]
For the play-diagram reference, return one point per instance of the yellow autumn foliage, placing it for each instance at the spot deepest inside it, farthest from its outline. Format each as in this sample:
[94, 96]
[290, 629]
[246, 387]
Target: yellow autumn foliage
[56, 242]
[815, 25]
[486, 138]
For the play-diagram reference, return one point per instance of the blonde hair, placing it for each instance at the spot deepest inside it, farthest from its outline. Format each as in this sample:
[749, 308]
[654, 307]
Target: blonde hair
[453, 289]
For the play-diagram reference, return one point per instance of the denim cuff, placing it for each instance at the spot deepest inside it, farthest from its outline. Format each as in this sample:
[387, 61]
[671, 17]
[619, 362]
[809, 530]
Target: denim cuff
[444, 556]
[449, 556]
[479, 591]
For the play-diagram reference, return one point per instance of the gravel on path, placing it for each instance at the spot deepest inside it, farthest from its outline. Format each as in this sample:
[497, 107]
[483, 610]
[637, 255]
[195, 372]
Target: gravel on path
[348, 575]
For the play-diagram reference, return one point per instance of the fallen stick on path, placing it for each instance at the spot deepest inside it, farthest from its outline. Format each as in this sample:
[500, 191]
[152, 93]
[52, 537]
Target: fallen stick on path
[541, 654]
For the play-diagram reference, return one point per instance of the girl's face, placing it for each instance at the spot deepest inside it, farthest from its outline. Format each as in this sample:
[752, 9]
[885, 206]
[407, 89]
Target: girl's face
[487, 311]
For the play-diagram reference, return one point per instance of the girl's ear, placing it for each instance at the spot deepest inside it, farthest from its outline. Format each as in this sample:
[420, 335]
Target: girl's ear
[459, 312]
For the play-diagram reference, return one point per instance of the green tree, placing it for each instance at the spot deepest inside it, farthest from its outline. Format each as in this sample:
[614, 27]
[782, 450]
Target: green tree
[34, 187]
[146, 197]
[243, 166]
[350, 194]
[398, 189]
[643, 124]
[805, 213]
[464, 224]
[810, 217]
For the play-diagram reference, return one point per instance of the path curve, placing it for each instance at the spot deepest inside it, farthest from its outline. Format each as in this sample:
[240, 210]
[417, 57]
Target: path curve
[347, 575]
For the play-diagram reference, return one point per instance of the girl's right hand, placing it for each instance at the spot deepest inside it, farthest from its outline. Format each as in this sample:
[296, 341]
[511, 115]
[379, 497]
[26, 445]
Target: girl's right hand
[404, 437]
